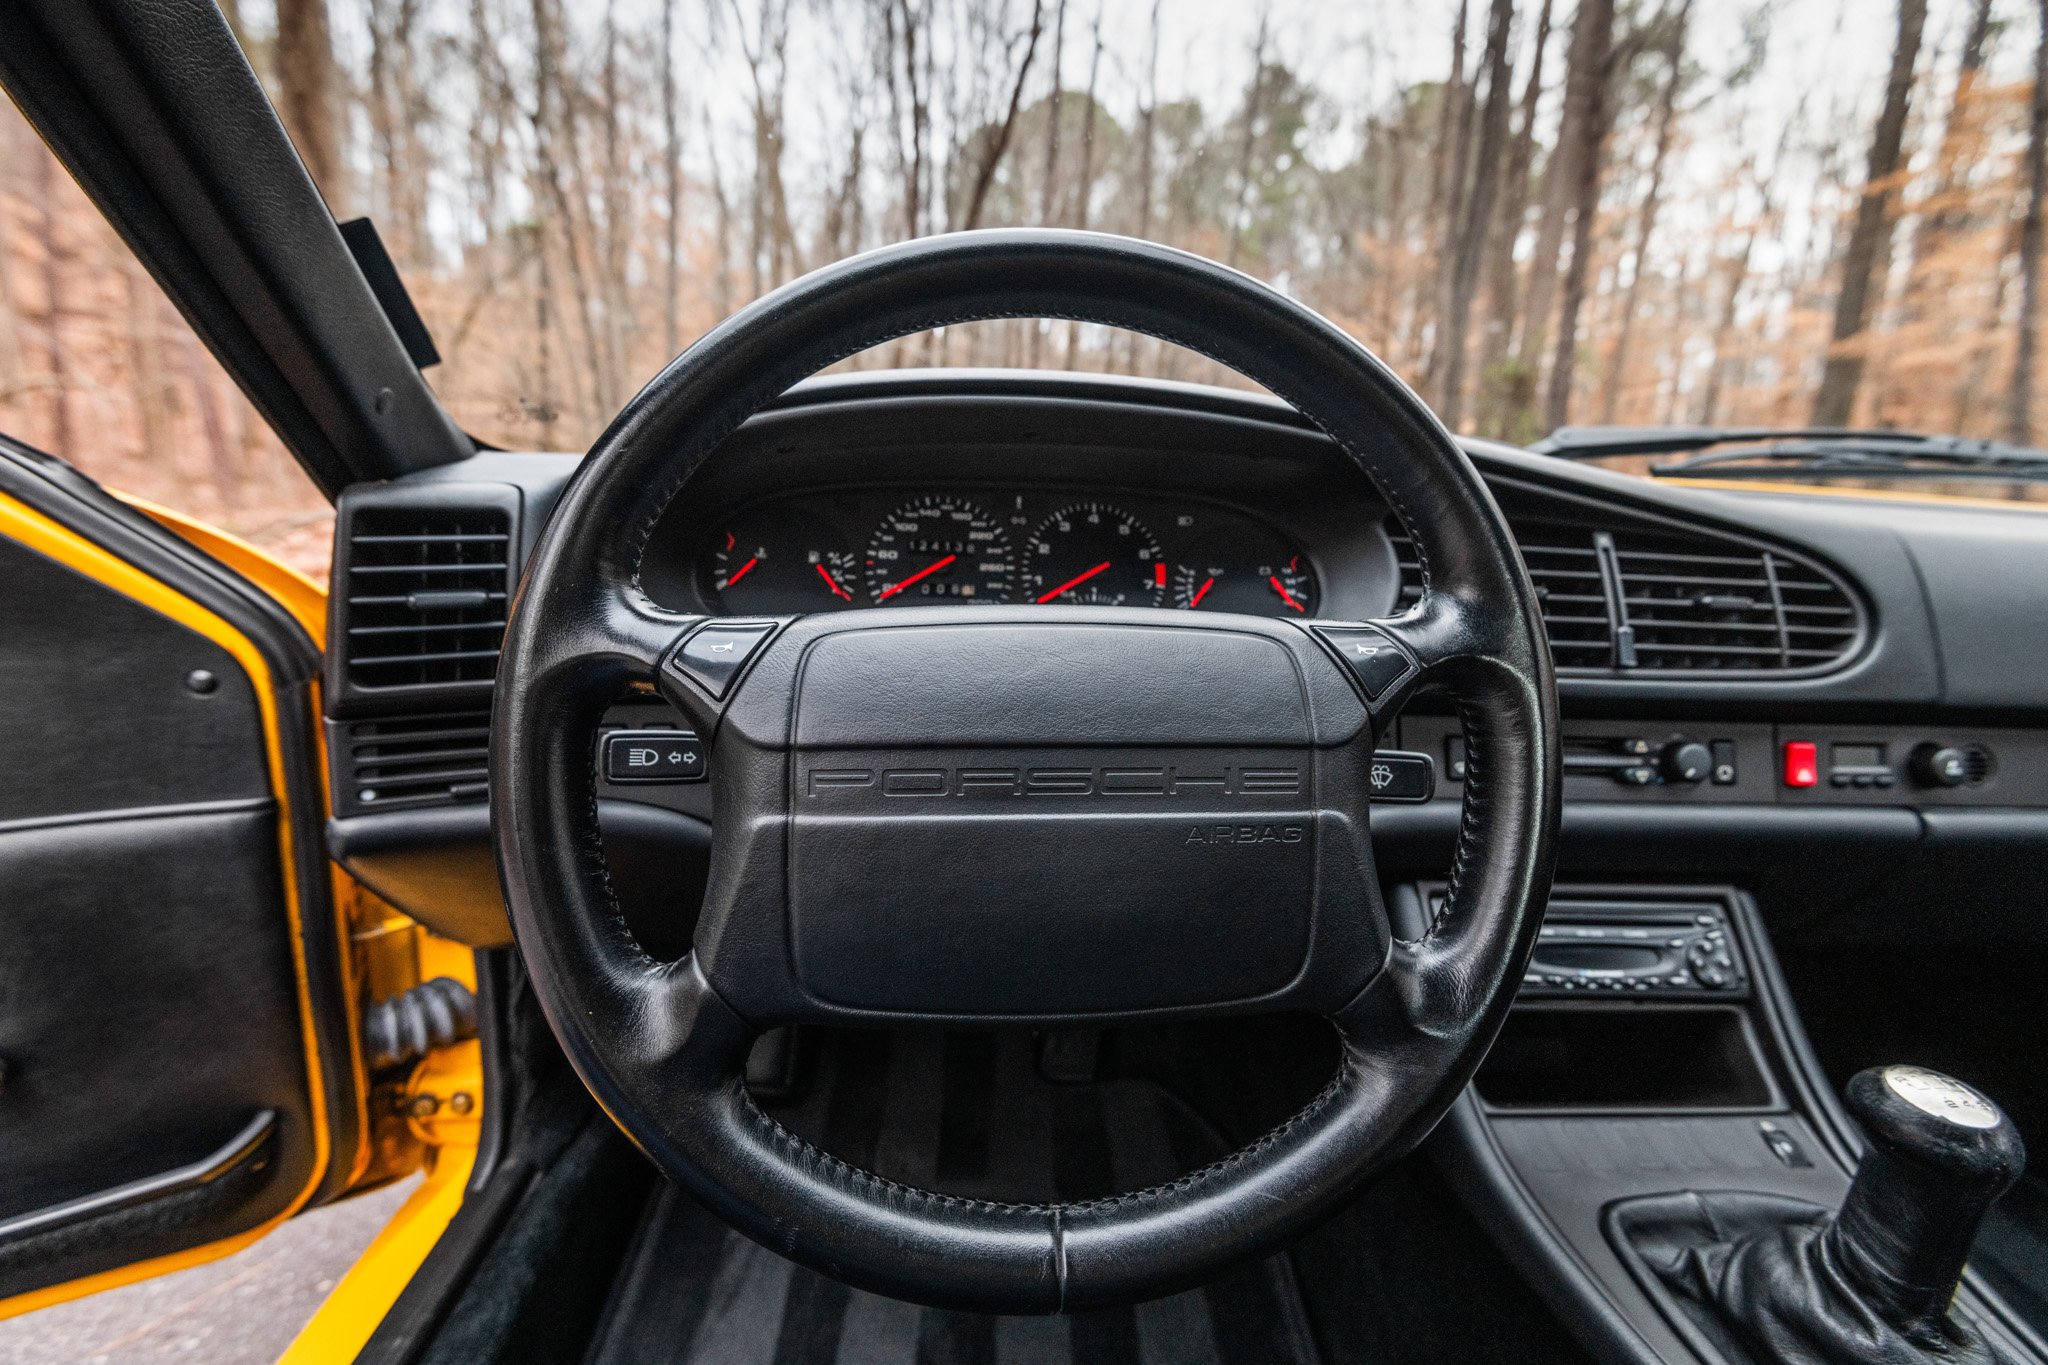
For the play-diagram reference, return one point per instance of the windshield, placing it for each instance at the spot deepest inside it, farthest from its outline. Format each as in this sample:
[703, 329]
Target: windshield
[1647, 213]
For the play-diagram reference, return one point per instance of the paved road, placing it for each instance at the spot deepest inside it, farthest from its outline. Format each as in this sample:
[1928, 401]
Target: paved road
[243, 1310]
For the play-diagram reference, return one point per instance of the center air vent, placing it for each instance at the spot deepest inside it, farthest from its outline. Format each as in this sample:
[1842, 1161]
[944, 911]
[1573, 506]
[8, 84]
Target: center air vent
[1636, 597]
[426, 596]
[409, 761]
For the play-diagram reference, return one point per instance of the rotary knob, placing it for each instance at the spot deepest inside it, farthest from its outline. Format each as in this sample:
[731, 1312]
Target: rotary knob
[1940, 765]
[1685, 761]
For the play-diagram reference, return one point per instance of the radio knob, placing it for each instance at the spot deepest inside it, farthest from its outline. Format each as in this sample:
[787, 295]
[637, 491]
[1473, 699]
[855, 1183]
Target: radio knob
[1685, 760]
[1938, 765]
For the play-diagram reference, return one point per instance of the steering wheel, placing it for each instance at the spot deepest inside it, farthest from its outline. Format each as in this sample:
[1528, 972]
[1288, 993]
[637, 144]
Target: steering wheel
[1024, 816]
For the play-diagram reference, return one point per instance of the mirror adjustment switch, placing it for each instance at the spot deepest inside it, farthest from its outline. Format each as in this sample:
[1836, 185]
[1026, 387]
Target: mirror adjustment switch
[1374, 659]
[653, 756]
[713, 656]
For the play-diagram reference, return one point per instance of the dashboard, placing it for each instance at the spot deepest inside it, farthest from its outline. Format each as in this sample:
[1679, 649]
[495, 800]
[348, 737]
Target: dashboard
[1070, 545]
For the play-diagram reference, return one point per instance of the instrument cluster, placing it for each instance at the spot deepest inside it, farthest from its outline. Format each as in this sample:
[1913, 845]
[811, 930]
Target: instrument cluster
[891, 547]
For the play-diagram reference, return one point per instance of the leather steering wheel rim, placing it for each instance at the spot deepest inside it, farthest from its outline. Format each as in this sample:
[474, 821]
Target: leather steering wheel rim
[662, 1045]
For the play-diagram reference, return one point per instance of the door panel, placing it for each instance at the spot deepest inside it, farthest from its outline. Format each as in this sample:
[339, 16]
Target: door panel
[178, 1066]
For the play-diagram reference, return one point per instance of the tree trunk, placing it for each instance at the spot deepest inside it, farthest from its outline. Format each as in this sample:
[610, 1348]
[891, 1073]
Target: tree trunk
[1469, 237]
[2018, 415]
[1085, 187]
[1148, 119]
[1646, 223]
[304, 65]
[54, 311]
[986, 175]
[672, 184]
[1499, 319]
[1446, 184]
[145, 361]
[1870, 239]
[1054, 102]
[1586, 105]
[1254, 106]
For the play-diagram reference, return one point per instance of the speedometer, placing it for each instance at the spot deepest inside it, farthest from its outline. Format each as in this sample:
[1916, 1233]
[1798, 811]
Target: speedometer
[1093, 554]
[938, 550]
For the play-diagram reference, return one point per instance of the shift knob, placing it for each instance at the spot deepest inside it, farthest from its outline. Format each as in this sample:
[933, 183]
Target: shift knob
[1940, 1153]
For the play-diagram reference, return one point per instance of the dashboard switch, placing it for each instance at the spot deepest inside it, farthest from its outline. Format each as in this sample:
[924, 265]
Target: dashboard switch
[1376, 661]
[653, 756]
[1397, 776]
[718, 651]
[1724, 762]
[1802, 763]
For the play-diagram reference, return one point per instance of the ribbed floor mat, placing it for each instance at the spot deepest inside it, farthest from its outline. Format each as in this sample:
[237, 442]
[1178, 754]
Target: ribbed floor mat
[967, 1113]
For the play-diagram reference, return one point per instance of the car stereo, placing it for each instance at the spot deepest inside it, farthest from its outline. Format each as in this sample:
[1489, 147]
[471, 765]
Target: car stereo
[1622, 948]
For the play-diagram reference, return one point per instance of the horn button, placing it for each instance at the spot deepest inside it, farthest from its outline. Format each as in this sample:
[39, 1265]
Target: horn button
[1043, 821]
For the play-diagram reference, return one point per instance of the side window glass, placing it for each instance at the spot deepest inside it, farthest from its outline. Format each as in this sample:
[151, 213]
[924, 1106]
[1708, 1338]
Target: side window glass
[97, 366]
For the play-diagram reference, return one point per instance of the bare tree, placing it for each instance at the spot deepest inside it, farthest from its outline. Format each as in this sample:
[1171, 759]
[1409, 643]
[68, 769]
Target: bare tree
[672, 184]
[1870, 239]
[999, 144]
[1498, 318]
[54, 308]
[1586, 112]
[1646, 222]
[1476, 220]
[1254, 112]
[2018, 417]
[304, 65]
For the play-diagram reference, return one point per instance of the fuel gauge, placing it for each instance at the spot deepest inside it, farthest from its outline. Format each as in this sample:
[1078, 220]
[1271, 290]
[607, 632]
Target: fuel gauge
[771, 562]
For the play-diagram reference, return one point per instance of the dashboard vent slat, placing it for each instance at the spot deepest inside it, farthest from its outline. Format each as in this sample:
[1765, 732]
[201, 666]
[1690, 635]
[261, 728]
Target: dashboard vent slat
[406, 762]
[1687, 601]
[425, 588]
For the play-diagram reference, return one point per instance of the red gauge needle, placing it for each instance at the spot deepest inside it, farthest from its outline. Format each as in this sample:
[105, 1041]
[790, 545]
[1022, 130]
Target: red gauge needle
[1201, 593]
[1076, 581]
[832, 582]
[1285, 595]
[741, 572]
[926, 572]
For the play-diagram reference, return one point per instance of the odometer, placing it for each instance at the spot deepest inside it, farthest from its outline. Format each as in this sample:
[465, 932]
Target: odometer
[938, 550]
[1092, 554]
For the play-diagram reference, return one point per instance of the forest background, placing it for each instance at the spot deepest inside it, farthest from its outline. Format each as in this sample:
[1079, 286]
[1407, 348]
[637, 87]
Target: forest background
[1542, 212]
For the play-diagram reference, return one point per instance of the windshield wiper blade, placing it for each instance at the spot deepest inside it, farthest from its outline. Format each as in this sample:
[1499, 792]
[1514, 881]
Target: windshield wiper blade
[1920, 457]
[1593, 443]
[1803, 452]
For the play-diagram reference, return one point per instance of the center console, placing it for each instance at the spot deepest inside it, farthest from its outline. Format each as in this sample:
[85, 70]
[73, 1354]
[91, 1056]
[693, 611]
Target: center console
[1653, 1050]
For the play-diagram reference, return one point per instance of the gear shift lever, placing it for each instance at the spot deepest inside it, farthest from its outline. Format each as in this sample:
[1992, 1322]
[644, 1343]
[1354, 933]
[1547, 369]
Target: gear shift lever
[1784, 1282]
[1940, 1153]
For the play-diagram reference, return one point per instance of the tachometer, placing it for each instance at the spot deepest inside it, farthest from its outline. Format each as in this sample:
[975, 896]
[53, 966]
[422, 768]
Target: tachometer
[938, 550]
[1245, 569]
[1094, 554]
[772, 561]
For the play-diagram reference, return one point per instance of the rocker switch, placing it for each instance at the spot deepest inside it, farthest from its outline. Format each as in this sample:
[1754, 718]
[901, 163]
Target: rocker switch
[715, 654]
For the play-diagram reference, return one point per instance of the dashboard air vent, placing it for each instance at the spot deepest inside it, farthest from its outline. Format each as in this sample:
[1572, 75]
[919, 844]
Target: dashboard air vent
[1640, 598]
[410, 761]
[1565, 568]
[427, 591]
